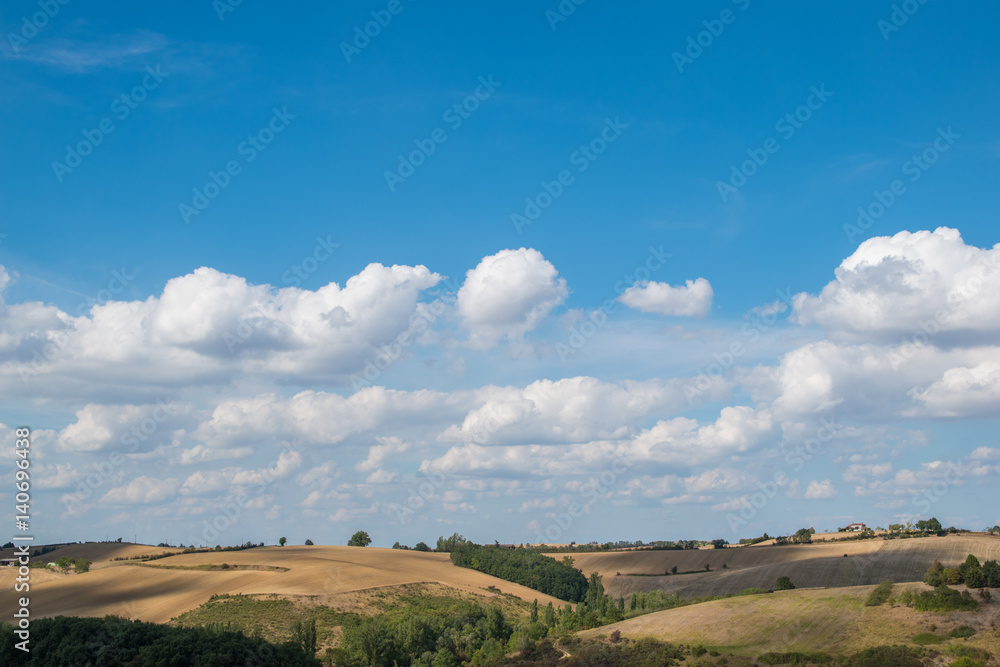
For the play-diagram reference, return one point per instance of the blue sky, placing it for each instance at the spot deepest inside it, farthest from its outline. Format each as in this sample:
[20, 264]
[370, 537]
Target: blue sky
[544, 330]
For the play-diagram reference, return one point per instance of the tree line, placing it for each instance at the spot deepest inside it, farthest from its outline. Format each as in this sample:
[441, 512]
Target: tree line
[526, 567]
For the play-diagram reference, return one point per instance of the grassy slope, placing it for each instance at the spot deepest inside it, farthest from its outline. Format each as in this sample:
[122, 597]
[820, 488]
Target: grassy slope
[833, 621]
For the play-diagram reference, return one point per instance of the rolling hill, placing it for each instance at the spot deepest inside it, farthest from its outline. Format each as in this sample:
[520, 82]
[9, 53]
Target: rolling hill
[834, 621]
[808, 565]
[167, 587]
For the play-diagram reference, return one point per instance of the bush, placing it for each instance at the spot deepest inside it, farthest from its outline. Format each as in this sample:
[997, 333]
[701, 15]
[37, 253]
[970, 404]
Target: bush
[879, 594]
[944, 599]
[966, 662]
[925, 638]
[962, 632]
[979, 655]
[886, 656]
[783, 584]
[795, 658]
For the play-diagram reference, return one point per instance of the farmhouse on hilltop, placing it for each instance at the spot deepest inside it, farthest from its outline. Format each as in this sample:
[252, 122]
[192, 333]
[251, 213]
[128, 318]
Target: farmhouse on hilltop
[853, 528]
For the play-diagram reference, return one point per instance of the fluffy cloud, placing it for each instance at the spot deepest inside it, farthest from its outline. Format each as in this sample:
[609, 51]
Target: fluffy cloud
[679, 443]
[507, 295]
[962, 392]
[317, 418]
[377, 454]
[821, 490]
[691, 300]
[912, 282]
[209, 327]
[142, 490]
[577, 409]
[128, 428]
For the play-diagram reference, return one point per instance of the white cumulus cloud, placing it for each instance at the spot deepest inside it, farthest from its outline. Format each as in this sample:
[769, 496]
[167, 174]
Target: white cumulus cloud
[694, 299]
[507, 295]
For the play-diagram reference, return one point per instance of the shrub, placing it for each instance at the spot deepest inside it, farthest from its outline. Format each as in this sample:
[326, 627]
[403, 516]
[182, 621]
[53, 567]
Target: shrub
[963, 651]
[886, 656]
[966, 662]
[795, 658]
[616, 635]
[944, 599]
[879, 594]
[784, 584]
[925, 638]
[962, 632]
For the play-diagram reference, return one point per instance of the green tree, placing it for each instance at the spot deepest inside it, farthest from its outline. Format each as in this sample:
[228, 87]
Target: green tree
[673, 570]
[802, 536]
[783, 584]
[595, 590]
[421, 546]
[63, 562]
[933, 576]
[304, 634]
[533, 617]
[81, 565]
[448, 544]
[931, 524]
[991, 570]
[550, 616]
[372, 640]
[309, 543]
[282, 541]
[359, 539]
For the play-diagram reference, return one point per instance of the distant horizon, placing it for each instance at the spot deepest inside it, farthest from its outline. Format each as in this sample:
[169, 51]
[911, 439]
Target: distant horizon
[343, 542]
